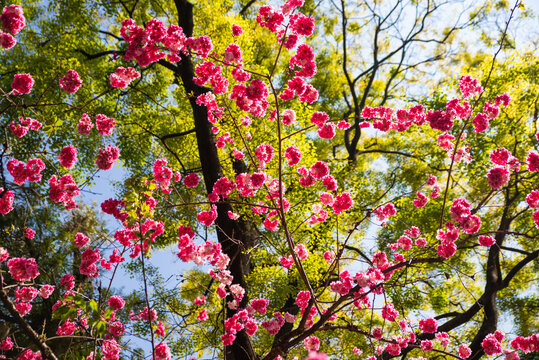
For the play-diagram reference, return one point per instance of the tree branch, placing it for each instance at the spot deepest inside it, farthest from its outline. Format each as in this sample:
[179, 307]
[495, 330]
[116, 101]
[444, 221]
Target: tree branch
[26, 328]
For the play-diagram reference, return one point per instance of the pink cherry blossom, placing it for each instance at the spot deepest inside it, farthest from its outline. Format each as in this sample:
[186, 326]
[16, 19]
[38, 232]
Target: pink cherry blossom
[191, 180]
[12, 19]
[533, 161]
[71, 82]
[497, 177]
[342, 203]
[469, 86]
[116, 302]
[389, 313]
[68, 156]
[421, 201]
[22, 269]
[29, 233]
[104, 124]
[7, 41]
[22, 84]
[533, 199]
[480, 122]
[311, 343]
[302, 299]
[107, 156]
[491, 345]
[429, 325]
[85, 125]
[440, 120]
[236, 30]
[67, 281]
[486, 240]
[122, 77]
[500, 156]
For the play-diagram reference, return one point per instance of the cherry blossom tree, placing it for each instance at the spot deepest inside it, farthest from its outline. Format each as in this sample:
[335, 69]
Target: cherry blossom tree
[283, 272]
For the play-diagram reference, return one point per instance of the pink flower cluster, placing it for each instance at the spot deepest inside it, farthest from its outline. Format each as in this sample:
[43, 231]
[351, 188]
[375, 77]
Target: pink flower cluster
[248, 184]
[389, 313]
[302, 299]
[384, 119]
[6, 344]
[260, 305]
[104, 124]
[497, 177]
[222, 187]
[486, 240]
[274, 325]
[208, 252]
[144, 43]
[491, 111]
[207, 217]
[111, 207]
[469, 86]
[533, 199]
[311, 343]
[107, 156]
[241, 320]
[30, 171]
[29, 233]
[304, 60]
[85, 125]
[236, 30]
[526, 344]
[116, 302]
[68, 156]
[461, 213]
[87, 265]
[30, 355]
[63, 190]
[22, 84]
[13, 21]
[162, 352]
[148, 45]
[440, 120]
[71, 82]
[492, 343]
[533, 161]
[7, 41]
[326, 130]
[421, 200]
[269, 18]
[12, 18]
[81, 240]
[458, 109]
[385, 211]
[127, 235]
[122, 77]
[297, 86]
[344, 285]
[67, 328]
[252, 97]
[6, 201]
[301, 24]
[429, 325]
[21, 129]
[22, 269]
[163, 175]
[209, 72]
[447, 247]
[26, 294]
